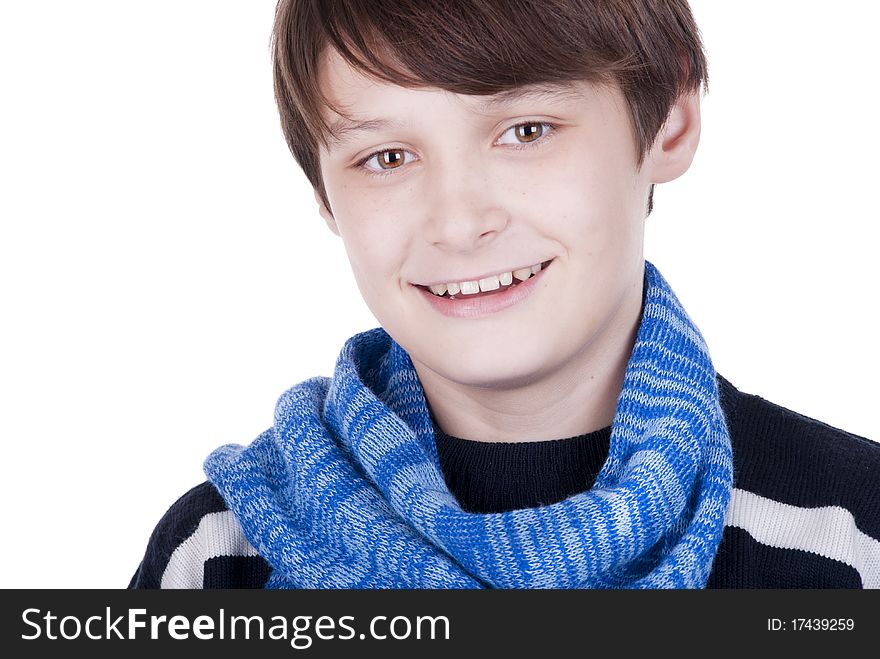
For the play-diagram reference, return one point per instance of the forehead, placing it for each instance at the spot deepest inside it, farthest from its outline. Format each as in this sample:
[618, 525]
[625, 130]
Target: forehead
[347, 86]
[365, 101]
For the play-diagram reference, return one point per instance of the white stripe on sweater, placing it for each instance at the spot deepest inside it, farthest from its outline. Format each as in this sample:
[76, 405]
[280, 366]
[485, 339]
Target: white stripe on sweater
[218, 534]
[829, 531]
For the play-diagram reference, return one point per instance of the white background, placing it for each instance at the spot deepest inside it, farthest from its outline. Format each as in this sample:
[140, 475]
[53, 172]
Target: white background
[165, 274]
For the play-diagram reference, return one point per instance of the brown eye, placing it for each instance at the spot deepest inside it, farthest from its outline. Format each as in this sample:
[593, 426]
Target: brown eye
[392, 157]
[529, 131]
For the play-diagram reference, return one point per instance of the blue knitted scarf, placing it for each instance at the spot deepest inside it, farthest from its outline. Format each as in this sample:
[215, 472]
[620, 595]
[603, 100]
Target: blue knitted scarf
[346, 491]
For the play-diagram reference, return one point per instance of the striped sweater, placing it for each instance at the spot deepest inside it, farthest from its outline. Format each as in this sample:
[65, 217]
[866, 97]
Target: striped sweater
[804, 511]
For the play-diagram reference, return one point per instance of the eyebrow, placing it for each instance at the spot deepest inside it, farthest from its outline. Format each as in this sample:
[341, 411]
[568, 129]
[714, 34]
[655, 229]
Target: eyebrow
[343, 129]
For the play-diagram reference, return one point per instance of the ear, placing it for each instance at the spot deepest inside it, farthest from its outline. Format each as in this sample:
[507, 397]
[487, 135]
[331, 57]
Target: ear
[673, 150]
[326, 214]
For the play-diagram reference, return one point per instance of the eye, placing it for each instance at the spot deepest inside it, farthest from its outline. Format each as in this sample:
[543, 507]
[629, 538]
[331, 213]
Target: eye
[529, 132]
[389, 160]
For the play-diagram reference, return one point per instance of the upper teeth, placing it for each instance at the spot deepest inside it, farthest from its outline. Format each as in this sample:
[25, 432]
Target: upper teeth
[491, 283]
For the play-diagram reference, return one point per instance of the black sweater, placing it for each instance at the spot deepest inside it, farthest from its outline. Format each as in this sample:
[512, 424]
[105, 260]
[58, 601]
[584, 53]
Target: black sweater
[804, 511]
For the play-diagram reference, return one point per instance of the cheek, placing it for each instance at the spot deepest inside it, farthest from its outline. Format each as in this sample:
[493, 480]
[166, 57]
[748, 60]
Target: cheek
[375, 251]
[593, 184]
[373, 233]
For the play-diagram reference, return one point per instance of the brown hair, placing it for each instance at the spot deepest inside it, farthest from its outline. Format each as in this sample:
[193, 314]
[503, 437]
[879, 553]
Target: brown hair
[651, 49]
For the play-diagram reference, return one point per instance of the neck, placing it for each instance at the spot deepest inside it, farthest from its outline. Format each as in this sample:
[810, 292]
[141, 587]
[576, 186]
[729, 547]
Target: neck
[577, 397]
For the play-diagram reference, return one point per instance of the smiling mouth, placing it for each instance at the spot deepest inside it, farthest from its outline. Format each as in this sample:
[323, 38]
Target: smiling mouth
[485, 287]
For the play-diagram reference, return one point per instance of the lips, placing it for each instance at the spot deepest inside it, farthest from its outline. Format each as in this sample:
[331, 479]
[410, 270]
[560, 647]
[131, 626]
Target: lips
[484, 303]
[491, 285]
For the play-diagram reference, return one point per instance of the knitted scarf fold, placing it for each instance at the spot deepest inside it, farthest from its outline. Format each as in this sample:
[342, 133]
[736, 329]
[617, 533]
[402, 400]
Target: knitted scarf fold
[346, 491]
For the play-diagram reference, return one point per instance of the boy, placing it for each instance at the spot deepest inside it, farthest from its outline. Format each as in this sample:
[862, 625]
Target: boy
[537, 409]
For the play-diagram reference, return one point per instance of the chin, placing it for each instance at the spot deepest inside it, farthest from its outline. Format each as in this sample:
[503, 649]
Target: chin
[499, 367]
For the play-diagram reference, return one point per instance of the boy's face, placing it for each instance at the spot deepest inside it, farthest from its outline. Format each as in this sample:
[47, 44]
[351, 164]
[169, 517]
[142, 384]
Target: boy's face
[459, 201]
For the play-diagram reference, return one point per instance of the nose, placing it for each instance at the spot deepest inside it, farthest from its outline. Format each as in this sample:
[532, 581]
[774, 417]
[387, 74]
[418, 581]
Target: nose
[464, 209]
